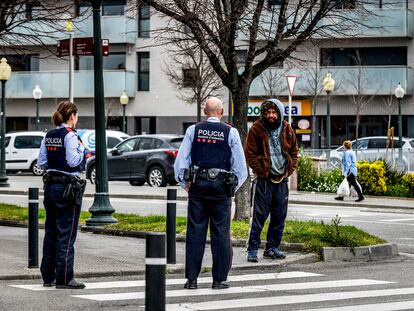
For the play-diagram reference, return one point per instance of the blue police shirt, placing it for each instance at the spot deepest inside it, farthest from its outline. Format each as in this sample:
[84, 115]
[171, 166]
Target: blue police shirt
[74, 152]
[237, 160]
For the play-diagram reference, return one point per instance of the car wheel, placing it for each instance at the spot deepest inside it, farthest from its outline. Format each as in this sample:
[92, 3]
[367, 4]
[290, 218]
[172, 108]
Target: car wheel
[92, 175]
[137, 182]
[36, 170]
[156, 177]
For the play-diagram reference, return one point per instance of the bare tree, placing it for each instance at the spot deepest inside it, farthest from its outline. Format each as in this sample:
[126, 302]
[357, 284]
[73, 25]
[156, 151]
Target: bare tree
[112, 109]
[389, 106]
[269, 34]
[273, 82]
[359, 82]
[189, 70]
[24, 23]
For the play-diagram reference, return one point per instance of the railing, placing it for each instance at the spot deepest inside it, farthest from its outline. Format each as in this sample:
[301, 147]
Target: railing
[390, 155]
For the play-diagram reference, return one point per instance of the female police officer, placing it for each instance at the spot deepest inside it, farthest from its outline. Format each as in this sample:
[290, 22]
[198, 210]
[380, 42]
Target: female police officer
[62, 154]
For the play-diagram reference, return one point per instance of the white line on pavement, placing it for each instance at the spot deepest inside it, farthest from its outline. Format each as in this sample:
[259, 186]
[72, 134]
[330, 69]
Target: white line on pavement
[387, 306]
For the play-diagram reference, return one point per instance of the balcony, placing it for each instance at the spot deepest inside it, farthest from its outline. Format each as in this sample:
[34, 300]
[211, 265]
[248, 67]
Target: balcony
[377, 80]
[55, 84]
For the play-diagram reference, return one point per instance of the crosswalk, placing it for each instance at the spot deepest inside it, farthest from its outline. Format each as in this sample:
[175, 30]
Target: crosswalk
[271, 291]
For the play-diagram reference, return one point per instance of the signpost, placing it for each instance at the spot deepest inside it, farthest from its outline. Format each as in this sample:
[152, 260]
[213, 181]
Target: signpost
[291, 80]
[81, 47]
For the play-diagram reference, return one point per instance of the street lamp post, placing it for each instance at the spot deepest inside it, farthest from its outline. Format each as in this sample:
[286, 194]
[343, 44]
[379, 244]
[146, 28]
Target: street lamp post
[399, 93]
[124, 99]
[37, 95]
[328, 86]
[5, 73]
[101, 208]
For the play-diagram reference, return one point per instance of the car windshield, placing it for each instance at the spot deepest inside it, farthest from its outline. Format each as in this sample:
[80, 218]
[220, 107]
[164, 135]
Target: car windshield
[176, 142]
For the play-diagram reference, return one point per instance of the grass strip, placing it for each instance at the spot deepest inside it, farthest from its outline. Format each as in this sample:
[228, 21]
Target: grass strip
[314, 235]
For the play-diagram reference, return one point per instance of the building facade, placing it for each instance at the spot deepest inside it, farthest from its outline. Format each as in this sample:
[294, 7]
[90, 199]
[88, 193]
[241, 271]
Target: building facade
[381, 56]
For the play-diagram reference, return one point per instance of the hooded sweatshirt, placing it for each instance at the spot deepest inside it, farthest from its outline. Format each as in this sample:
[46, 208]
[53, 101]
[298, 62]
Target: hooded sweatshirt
[277, 160]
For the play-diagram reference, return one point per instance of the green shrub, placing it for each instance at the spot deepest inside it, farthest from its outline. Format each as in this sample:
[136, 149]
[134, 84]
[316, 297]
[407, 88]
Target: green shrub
[329, 180]
[371, 176]
[307, 174]
[398, 191]
[408, 181]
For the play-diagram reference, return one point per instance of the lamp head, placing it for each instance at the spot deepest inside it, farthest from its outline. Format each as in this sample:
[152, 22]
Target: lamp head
[5, 70]
[399, 91]
[37, 92]
[124, 99]
[328, 83]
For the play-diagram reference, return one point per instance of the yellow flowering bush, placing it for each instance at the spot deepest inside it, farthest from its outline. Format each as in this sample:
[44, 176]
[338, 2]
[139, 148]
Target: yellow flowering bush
[408, 181]
[371, 176]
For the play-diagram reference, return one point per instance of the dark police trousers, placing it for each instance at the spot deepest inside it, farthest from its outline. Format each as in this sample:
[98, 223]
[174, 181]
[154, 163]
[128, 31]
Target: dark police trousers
[61, 226]
[269, 198]
[208, 202]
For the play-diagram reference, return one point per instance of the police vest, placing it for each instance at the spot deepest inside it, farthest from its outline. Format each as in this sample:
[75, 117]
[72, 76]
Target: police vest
[210, 147]
[56, 151]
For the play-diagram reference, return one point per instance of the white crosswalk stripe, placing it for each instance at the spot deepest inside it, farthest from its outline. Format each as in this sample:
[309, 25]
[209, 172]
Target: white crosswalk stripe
[251, 291]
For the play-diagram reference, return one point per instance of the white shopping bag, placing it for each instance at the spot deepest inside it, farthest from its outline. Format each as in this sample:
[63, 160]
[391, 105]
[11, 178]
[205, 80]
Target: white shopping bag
[343, 189]
[354, 192]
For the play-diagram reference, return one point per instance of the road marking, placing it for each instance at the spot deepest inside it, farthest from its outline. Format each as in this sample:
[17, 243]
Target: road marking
[287, 300]
[202, 280]
[237, 290]
[388, 306]
[400, 219]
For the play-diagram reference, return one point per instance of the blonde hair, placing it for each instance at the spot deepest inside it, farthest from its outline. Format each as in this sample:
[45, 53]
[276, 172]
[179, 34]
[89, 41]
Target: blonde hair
[347, 144]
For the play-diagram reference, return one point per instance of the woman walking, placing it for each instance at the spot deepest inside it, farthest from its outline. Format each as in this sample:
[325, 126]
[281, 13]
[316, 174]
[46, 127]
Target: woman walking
[350, 171]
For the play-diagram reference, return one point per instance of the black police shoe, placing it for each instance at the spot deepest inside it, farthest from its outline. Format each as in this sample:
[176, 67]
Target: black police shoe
[52, 284]
[191, 284]
[220, 285]
[73, 284]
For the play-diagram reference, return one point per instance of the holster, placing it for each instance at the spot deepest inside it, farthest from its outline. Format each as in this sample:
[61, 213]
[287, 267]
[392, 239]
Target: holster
[231, 183]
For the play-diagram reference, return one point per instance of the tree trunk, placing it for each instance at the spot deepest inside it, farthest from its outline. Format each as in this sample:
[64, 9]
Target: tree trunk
[240, 98]
[314, 144]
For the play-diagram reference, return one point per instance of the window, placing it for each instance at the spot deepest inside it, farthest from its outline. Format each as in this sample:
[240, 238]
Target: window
[113, 61]
[190, 77]
[271, 3]
[6, 142]
[376, 56]
[241, 56]
[144, 21]
[377, 143]
[362, 144]
[143, 71]
[157, 143]
[23, 62]
[144, 144]
[109, 7]
[176, 142]
[344, 4]
[112, 142]
[27, 142]
[128, 145]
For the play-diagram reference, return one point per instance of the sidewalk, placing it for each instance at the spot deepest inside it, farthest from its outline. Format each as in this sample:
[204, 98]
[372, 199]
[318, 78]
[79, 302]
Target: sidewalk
[103, 255]
[19, 185]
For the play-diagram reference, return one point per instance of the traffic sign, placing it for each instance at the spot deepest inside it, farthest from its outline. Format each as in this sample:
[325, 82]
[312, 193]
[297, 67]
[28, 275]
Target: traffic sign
[291, 80]
[81, 47]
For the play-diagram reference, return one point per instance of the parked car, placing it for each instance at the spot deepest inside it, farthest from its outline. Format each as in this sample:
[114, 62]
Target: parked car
[374, 148]
[22, 151]
[140, 159]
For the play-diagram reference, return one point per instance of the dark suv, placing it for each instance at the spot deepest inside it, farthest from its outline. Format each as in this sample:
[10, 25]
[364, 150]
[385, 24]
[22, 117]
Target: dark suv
[141, 158]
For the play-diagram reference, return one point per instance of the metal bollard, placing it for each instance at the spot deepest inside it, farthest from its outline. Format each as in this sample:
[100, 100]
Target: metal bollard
[171, 225]
[155, 267]
[33, 227]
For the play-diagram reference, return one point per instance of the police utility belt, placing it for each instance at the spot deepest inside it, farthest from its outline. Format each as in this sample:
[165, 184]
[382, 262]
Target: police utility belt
[75, 186]
[212, 174]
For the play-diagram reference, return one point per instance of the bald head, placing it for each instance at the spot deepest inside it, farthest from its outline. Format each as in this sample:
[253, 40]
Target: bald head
[214, 107]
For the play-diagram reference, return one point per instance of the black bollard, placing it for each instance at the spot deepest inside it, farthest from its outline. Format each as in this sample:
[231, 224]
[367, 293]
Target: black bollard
[171, 225]
[33, 227]
[155, 267]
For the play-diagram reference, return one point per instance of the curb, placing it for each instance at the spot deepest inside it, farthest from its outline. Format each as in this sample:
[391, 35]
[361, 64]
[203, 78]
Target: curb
[360, 253]
[184, 198]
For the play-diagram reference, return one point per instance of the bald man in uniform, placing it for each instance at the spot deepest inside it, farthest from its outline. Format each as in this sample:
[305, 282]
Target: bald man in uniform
[210, 166]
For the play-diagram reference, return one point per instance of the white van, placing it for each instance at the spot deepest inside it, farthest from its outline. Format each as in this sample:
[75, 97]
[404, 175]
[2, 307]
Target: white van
[22, 148]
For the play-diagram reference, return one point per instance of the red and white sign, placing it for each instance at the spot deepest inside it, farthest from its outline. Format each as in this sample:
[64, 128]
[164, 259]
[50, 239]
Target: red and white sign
[291, 80]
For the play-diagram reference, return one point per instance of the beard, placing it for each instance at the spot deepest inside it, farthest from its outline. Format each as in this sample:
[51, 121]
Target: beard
[271, 125]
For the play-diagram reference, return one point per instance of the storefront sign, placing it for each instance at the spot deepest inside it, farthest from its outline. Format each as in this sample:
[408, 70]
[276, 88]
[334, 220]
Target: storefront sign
[299, 131]
[299, 108]
[303, 124]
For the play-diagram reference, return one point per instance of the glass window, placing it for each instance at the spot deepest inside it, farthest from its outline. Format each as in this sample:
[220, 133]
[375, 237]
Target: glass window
[113, 7]
[27, 142]
[143, 71]
[241, 56]
[7, 141]
[176, 142]
[157, 143]
[144, 21]
[112, 142]
[144, 144]
[362, 144]
[128, 145]
[190, 77]
[23, 62]
[377, 143]
[113, 61]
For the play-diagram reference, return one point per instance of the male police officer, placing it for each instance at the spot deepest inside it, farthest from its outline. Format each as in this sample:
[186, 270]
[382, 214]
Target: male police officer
[210, 165]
